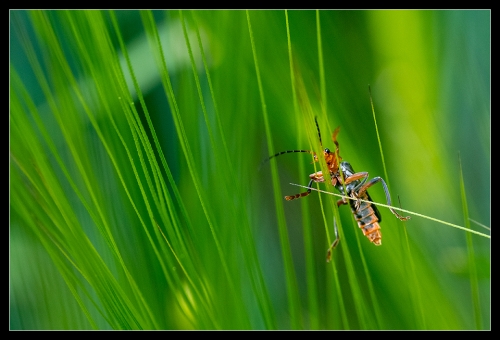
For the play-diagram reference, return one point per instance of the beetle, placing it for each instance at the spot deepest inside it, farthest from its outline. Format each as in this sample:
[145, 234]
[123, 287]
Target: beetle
[351, 184]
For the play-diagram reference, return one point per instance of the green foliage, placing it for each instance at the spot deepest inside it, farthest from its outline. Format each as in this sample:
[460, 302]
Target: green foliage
[136, 198]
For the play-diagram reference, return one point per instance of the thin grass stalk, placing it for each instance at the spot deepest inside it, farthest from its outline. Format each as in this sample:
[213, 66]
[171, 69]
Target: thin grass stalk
[322, 82]
[417, 297]
[35, 219]
[195, 288]
[196, 284]
[218, 160]
[409, 212]
[406, 250]
[347, 259]
[371, 289]
[45, 29]
[470, 253]
[203, 107]
[378, 320]
[135, 127]
[291, 283]
[192, 170]
[256, 275]
[312, 290]
[150, 27]
[312, 134]
[354, 285]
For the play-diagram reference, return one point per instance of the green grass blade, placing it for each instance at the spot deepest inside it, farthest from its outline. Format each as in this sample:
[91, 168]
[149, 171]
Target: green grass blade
[414, 286]
[470, 252]
[293, 298]
[247, 240]
[312, 278]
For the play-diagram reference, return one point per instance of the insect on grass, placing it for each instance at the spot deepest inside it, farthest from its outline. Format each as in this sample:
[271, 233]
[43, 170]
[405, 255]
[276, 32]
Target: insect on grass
[351, 184]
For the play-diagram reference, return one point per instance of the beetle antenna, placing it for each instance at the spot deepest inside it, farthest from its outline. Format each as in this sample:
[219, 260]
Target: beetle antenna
[283, 152]
[319, 132]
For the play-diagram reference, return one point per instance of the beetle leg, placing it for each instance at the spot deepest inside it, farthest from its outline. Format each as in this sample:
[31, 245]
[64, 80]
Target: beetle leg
[356, 193]
[341, 201]
[315, 177]
[302, 194]
[365, 187]
[335, 242]
[355, 196]
[354, 177]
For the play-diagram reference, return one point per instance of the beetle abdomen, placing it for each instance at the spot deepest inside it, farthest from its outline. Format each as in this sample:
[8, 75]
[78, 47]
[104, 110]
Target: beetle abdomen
[367, 218]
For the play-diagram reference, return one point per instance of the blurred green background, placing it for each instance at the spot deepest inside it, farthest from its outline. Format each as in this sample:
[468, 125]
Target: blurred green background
[161, 218]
